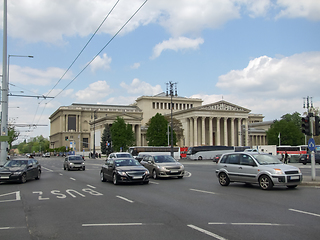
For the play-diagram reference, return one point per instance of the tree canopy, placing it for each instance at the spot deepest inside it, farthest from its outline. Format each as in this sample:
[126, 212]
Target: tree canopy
[122, 135]
[105, 143]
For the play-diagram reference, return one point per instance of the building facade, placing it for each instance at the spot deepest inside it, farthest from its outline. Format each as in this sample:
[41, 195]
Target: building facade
[80, 126]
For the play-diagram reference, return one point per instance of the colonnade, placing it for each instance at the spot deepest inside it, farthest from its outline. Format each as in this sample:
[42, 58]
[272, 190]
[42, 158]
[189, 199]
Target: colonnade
[227, 131]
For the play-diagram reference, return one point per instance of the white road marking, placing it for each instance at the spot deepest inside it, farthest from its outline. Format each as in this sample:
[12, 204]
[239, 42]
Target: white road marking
[90, 186]
[17, 193]
[309, 213]
[111, 224]
[6, 228]
[206, 232]
[47, 169]
[249, 224]
[60, 174]
[153, 182]
[125, 199]
[202, 191]
[73, 179]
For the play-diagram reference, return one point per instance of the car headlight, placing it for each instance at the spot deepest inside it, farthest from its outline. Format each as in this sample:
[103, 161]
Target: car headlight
[16, 173]
[146, 172]
[161, 168]
[83, 163]
[278, 171]
[121, 173]
[181, 167]
[71, 163]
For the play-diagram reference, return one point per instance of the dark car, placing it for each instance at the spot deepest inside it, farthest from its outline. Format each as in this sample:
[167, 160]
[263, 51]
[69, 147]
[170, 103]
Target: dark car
[216, 158]
[126, 170]
[73, 162]
[20, 170]
[306, 158]
[163, 166]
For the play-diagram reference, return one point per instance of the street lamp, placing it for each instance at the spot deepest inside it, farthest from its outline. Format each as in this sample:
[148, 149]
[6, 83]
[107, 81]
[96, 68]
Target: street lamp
[94, 134]
[170, 86]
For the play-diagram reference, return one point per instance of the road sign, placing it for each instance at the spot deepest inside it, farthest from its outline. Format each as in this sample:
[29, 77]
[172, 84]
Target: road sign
[311, 144]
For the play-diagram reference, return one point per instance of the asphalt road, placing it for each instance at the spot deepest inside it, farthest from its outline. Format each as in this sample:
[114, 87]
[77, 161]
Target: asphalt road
[77, 205]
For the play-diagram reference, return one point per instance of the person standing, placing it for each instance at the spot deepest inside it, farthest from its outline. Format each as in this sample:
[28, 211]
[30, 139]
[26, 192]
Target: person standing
[286, 158]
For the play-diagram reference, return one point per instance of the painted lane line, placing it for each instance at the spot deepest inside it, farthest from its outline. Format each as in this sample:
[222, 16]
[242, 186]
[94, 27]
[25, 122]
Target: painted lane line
[60, 174]
[309, 213]
[153, 182]
[90, 186]
[47, 169]
[207, 232]
[73, 179]
[6, 228]
[17, 196]
[111, 224]
[250, 224]
[202, 191]
[125, 199]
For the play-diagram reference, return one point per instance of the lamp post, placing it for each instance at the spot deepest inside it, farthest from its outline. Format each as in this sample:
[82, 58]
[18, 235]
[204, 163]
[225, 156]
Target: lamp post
[94, 134]
[170, 86]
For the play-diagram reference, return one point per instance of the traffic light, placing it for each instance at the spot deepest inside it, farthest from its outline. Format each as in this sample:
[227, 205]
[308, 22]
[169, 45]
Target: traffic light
[66, 138]
[305, 125]
[317, 126]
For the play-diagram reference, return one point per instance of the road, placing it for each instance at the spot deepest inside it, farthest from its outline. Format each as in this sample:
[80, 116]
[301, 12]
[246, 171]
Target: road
[77, 205]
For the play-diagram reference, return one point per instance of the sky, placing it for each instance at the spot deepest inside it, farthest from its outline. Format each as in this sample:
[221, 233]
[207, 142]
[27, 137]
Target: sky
[263, 55]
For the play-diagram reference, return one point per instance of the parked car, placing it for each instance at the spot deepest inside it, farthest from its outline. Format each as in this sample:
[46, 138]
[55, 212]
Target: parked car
[306, 158]
[125, 170]
[264, 169]
[163, 166]
[20, 170]
[119, 155]
[72, 162]
[46, 155]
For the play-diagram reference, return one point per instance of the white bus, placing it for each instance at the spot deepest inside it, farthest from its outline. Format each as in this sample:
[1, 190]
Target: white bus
[207, 152]
[154, 150]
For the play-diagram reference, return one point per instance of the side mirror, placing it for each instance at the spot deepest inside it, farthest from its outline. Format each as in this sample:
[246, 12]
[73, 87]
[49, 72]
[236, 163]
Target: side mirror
[30, 165]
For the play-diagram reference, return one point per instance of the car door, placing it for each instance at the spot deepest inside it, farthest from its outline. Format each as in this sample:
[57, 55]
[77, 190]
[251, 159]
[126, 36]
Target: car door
[148, 163]
[31, 169]
[231, 165]
[248, 169]
[109, 169]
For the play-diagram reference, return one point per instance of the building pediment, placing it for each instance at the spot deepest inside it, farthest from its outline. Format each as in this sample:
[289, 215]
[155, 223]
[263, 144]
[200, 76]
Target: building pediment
[224, 106]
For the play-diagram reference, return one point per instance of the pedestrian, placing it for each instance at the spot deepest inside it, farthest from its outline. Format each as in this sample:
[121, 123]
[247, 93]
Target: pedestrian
[286, 158]
[282, 157]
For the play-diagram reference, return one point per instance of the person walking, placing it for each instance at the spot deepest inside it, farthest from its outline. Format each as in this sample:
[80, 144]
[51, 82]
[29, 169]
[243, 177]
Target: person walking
[286, 158]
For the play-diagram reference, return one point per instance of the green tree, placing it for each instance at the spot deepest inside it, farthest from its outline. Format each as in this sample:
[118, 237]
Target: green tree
[122, 135]
[106, 141]
[289, 128]
[157, 131]
[13, 135]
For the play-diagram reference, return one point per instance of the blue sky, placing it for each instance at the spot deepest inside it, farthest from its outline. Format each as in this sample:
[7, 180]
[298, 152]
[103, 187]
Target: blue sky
[263, 55]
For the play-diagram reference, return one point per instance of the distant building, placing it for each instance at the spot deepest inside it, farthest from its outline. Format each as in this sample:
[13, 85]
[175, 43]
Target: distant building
[219, 123]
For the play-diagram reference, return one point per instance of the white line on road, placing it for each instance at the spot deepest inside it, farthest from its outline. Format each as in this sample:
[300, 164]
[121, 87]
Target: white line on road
[196, 190]
[73, 179]
[6, 228]
[47, 169]
[17, 196]
[90, 186]
[153, 182]
[111, 224]
[125, 199]
[249, 224]
[206, 232]
[309, 213]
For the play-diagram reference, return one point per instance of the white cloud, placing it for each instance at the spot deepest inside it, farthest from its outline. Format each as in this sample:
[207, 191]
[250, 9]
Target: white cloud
[141, 88]
[309, 9]
[135, 66]
[95, 92]
[101, 63]
[176, 44]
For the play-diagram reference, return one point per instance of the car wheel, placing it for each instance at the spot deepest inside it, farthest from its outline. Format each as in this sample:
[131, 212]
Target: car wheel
[68, 168]
[224, 179]
[265, 182]
[84, 168]
[39, 174]
[64, 167]
[199, 158]
[23, 178]
[180, 177]
[115, 179]
[154, 174]
[102, 178]
[145, 182]
[292, 186]
[304, 163]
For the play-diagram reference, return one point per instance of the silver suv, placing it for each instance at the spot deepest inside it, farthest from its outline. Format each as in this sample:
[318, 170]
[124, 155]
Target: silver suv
[264, 169]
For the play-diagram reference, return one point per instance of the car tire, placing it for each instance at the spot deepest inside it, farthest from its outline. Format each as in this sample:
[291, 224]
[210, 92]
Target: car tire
[265, 182]
[84, 168]
[154, 174]
[224, 179]
[64, 167]
[292, 186]
[23, 178]
[39, 175]
[115, 179]
[180, 177]
[102, 178]
[146, 182]
[199, 158]
[68, 168]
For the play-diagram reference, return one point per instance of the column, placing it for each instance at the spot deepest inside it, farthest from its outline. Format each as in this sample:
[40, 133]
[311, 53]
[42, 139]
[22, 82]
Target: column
[210, 131]
[218, 132]
[191, 143]
[195, 130]
[232, 131]
[66, 122]
[187, 132]
[225, 131]
[203, 128]
[239, 132]
[139, 135]
[247, 132]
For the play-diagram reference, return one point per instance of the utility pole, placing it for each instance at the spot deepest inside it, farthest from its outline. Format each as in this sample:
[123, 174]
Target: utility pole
[170, 86]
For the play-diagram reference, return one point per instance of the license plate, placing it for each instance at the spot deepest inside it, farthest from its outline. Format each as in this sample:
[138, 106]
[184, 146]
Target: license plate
[4, 177]
[294, 177]
[174, 171]
[136, 177]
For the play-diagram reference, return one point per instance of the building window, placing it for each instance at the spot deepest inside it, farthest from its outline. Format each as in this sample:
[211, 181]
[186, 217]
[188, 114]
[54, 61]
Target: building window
[157, 105]
[153, 105]
[161, 105]
[72, 122]
[191, 105]
[85, 143]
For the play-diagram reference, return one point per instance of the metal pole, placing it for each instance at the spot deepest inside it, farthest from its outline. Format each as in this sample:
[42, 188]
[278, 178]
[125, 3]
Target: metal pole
[171, 93]
[94, 134]
[4, 97]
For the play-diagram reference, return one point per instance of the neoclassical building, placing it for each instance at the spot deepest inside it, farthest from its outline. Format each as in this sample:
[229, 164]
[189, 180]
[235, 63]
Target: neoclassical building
[221, 123]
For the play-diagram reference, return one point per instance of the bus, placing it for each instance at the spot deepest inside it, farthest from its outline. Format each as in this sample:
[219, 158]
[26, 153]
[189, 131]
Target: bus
[291, 150]
[154, 150]
[207, 152]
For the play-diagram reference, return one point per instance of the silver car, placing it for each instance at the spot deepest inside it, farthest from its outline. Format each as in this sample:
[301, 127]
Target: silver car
[162, 166]
[264, 169]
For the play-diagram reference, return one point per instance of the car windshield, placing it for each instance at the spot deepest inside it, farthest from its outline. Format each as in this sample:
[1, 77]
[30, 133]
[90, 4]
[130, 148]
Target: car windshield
[123, 155]
[75, 158]
[16, 163]
[126, 162]
[266, 159]
[164, 159]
